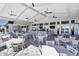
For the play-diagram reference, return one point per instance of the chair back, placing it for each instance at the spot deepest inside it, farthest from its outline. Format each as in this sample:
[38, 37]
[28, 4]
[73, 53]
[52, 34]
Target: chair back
[50, 43]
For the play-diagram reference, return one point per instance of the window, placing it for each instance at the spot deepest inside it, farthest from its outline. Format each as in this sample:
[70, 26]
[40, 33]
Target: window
[52, 27]
[10, 22]
[23, 26]
[34, 24]
[64, 22]
[66, 30]
[41, 24]
[46, 23]
[52, 23]
[58, 22]
[72, 21]
[41, 27]
[62, 29]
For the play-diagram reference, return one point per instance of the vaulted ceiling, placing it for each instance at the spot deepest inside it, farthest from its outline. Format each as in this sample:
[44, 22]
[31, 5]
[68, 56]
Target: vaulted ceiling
[31, 12]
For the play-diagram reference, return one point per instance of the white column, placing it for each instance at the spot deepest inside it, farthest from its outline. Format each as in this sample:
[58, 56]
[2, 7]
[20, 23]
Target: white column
[56, 28]
[69, 26]
[60, 27]
[11, 27]
[5, 30]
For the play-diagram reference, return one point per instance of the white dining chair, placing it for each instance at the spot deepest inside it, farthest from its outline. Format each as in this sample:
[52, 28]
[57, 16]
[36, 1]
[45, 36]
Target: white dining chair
[72, 38]
[1, 41]
[15, 47]
[75, 43]
[57, 42]
[50, 43]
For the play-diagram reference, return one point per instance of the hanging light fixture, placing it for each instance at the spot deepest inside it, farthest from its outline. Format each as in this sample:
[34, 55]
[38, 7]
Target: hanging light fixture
[33, 4]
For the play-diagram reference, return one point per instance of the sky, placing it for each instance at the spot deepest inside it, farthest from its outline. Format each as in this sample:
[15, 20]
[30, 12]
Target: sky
[3, 22]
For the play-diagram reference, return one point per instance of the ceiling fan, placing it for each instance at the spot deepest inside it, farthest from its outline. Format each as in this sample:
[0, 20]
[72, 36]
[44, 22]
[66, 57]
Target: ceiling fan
[54, 16]
[26, 17]
[12, 13]
[47, 11]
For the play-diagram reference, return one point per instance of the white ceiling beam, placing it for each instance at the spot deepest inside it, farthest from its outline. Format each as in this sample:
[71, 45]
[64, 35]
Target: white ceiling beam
[34, 16]
[21, 13]
[10, 19]
[43, 4]
[6, 18]
[32, 9]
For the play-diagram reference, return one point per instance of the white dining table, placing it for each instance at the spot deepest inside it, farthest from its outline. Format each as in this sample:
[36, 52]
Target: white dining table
[7, 52]
[49, 51]
[34, 51]
[1, 34]
[6, 36]
[30, 51]
[66, 40]
[14, 40]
